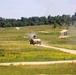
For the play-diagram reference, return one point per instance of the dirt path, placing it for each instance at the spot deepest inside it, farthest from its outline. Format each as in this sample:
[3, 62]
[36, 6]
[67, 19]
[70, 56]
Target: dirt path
[61, 49]
[36, 63]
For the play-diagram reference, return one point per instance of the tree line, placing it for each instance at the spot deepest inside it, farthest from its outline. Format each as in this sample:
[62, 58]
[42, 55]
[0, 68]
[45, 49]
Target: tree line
[34, 21]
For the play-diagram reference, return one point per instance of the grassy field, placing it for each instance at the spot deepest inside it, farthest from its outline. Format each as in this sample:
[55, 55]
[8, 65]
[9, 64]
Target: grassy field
[50, 37]
[14, 44]
[53, 69]
[16, 53]
[15, 47]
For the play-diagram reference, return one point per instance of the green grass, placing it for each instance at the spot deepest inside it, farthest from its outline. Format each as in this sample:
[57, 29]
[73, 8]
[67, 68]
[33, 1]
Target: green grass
[51, 38]
[14, 44]
[18, 51]
[55, 69]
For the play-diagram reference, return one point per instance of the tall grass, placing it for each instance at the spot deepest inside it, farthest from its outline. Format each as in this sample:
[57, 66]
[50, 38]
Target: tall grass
[55, 69]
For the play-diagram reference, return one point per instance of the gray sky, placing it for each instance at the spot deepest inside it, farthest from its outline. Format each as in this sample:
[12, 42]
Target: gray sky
[29, 8]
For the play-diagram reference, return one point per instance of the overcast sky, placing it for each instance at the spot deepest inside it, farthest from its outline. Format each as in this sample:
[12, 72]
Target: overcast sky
[29, 8]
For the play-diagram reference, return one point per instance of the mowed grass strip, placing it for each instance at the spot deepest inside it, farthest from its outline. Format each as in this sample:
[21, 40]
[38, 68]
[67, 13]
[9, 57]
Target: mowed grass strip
[55, 69]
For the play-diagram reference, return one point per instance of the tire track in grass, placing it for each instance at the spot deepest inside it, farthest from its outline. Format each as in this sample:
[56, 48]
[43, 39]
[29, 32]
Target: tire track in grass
[61, 49]
[37, 63]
